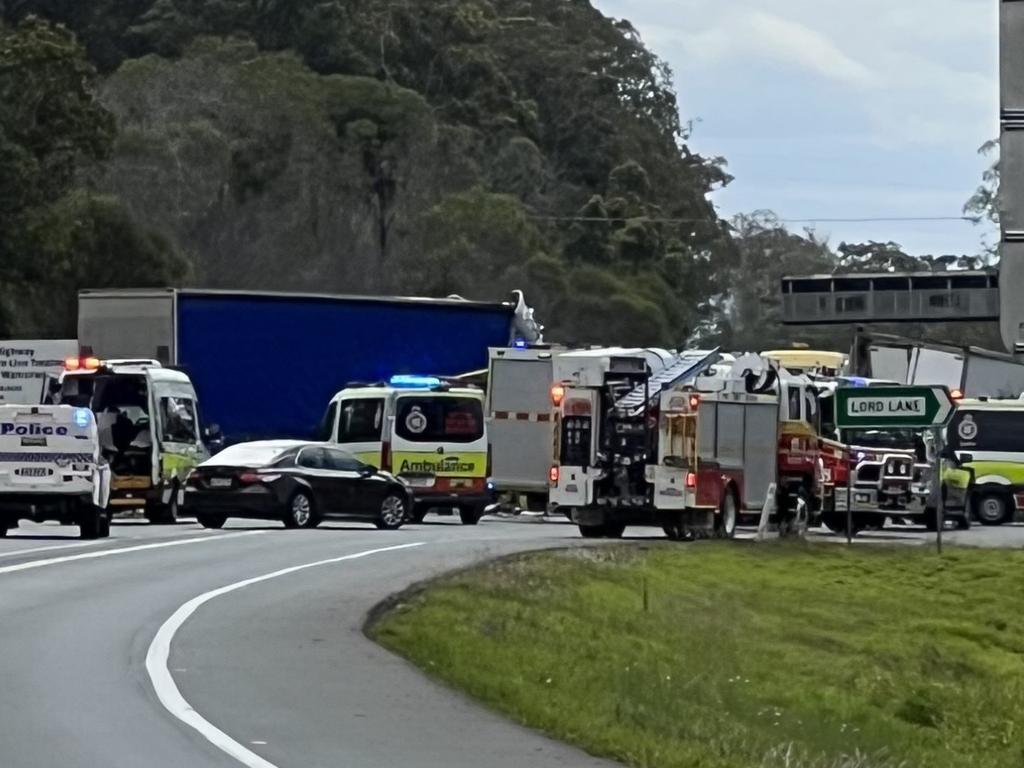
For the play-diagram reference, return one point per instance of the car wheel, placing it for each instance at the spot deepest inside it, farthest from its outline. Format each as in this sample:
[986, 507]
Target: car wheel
[301, 512]
[211, 521]
[592, 531]
[392, 513]
[991, 508]
[470, 515]
[3, 530]
[725, 520]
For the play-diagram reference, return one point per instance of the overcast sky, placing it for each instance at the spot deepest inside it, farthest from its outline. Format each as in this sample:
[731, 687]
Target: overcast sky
[837, 108]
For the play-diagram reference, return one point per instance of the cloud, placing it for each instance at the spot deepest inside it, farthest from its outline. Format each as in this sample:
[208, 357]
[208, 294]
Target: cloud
[796, 43]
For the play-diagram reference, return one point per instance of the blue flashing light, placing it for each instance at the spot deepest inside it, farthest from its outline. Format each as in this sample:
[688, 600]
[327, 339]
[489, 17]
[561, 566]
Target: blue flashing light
[410, 381]
[856, 381]
[83, 416]
[520, 344]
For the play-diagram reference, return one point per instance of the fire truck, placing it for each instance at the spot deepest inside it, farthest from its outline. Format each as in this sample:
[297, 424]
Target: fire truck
[881, 474]
[686, 442]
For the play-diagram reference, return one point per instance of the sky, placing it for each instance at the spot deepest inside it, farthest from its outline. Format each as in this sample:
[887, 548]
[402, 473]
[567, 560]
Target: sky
[837, 108]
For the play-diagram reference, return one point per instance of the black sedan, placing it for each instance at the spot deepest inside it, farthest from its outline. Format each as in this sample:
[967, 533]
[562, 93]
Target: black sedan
[297, 483]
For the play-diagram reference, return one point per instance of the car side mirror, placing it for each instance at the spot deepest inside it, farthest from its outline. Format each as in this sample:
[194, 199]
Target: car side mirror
[367, 471]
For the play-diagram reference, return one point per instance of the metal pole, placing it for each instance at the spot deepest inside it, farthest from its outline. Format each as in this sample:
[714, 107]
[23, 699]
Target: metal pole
[940, 511]
[849, 497]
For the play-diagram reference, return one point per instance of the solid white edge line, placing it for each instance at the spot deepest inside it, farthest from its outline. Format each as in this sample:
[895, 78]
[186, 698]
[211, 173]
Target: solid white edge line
[119, 551]
[51, 548]
[160, 649]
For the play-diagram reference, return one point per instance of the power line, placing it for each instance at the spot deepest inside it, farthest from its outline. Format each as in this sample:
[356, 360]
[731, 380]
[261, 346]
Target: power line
[806, 220]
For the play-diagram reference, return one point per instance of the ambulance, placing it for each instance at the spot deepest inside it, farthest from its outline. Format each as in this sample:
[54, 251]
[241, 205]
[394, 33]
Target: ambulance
[51, 469]
[149, 431]
[429, 432]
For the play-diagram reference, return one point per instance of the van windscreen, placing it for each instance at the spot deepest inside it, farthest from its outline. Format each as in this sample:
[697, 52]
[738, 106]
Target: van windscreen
[429, 419]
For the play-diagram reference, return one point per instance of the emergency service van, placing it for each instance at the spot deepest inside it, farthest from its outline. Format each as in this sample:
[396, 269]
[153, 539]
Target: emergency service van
[51, 469]
[521, 424]
[430, 433]
[149, 429]
[986, 441]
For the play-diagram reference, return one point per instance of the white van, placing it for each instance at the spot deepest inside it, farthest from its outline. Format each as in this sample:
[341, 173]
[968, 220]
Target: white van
[149, 431]
[432, 435]
[51, 469]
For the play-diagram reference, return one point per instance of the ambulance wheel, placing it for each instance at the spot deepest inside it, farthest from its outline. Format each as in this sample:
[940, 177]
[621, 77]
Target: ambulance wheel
[614, 530]
[725, 520]
[992, 507]
[419, 513]
[471, 515]
[211, 521]
[592, 531]
[164, 514]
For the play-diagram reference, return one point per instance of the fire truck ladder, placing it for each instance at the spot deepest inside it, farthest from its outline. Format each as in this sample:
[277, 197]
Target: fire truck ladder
[686, 366]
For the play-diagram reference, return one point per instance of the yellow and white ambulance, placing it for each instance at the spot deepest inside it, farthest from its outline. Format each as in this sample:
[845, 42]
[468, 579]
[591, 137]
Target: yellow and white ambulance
[428, 432]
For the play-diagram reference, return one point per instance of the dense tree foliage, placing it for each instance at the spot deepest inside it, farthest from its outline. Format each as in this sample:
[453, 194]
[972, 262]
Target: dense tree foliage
[376, 146]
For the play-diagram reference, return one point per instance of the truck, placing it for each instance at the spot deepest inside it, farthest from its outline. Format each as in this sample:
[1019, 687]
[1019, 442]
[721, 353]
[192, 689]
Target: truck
[266, 363]
[881, 475]
[680, 441]
[51, 468]
[968, 370]
[521, 424]
[148, 425]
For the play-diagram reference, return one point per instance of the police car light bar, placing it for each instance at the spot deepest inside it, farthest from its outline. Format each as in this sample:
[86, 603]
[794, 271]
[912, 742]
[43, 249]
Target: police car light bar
[409, 381]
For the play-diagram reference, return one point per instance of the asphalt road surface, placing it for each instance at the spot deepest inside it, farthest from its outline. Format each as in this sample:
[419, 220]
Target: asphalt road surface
[165, 647]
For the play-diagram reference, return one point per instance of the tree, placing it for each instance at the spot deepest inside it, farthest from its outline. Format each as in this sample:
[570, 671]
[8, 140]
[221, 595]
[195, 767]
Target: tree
[983, 205]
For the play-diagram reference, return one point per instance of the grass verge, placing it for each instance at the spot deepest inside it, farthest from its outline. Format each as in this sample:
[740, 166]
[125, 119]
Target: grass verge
[776, 655]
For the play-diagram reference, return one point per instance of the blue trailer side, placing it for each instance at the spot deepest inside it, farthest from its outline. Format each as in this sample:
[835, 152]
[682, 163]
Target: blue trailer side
[266, 365]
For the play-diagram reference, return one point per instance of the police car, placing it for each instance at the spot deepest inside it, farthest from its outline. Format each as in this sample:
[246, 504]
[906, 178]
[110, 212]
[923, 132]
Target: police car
[51, 469]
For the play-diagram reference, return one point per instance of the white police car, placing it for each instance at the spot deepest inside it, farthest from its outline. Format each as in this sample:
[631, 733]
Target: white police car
[51, 469]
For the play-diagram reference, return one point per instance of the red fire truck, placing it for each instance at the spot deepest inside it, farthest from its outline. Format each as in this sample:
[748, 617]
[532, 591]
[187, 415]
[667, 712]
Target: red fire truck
[685, 442]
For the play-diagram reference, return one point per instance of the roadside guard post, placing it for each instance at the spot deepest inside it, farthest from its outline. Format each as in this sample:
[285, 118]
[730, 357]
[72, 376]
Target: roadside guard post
[905, 407]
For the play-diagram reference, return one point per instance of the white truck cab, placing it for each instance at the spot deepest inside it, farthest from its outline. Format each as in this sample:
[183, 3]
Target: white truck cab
[149, 431]
[51, 468]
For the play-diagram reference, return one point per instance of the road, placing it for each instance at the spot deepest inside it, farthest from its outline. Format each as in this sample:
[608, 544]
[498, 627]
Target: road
[172, 646]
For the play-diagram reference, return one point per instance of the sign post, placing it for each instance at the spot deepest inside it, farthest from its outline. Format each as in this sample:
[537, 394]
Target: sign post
[897, 408]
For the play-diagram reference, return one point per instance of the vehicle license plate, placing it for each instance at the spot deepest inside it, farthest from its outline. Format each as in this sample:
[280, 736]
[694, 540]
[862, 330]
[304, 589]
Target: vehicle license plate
[220, 482]
[34, 472]
[421, 482]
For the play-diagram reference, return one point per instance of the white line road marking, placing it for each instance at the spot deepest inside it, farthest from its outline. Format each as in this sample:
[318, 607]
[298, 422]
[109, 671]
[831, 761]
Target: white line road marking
[160, 649]
[16, 552]
[121, 551]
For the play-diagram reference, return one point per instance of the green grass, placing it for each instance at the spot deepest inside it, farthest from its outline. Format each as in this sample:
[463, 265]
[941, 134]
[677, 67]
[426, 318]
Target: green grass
[775, 655]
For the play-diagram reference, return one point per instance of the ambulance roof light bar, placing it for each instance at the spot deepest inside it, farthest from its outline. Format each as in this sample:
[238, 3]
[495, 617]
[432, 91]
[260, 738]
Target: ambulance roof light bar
[412, 381]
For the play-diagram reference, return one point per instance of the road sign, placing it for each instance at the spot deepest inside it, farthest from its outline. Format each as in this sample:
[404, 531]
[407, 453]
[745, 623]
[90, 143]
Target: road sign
[881, 407]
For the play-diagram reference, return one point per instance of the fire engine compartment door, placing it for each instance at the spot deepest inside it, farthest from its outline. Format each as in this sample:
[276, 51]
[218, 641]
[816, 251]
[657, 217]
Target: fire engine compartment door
[760, 452]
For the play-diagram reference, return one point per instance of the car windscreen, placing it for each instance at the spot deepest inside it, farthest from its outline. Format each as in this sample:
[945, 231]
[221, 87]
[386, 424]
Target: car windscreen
[982, 430]
[426, 419]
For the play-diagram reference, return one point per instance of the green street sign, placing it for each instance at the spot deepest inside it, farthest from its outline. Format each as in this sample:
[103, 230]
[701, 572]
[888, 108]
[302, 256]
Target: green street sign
[880, 407]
